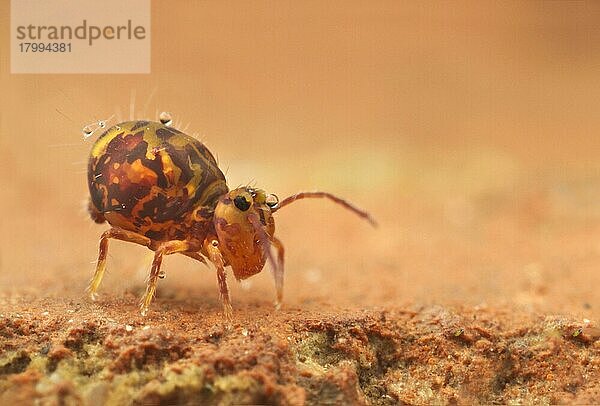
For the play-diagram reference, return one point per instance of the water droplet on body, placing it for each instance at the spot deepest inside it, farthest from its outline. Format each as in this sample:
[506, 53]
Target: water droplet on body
[165, 118]
[272, 201]
[162, 274]
[87, 131]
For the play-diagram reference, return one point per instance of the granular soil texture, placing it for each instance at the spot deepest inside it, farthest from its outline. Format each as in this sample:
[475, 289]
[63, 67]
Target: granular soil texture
[75, 352]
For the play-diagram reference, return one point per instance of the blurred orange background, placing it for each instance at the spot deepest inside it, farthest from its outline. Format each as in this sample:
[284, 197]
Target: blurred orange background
[468, 129]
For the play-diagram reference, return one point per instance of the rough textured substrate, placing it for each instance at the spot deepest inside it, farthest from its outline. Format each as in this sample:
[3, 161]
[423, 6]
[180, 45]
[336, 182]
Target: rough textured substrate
[74, 352]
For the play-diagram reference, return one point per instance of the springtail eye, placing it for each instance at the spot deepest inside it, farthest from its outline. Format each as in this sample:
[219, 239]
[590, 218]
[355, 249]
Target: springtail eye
[272, 201]
[241, 203]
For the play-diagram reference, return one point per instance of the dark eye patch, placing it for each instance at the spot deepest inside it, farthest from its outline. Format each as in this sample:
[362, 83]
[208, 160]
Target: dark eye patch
[241, 203]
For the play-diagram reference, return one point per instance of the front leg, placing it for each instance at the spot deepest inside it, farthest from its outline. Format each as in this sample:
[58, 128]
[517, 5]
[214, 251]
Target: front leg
[211, 247]
[278, 271]
[166, 248]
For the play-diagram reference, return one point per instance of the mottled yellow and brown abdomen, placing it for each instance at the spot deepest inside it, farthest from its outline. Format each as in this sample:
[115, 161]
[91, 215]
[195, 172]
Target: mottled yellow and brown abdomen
[149, 178]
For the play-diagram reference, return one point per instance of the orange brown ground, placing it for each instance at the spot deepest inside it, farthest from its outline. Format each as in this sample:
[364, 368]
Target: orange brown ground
[76, 352]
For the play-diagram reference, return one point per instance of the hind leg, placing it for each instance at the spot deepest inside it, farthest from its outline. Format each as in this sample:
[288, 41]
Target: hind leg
[118, 234]
[166, 248]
